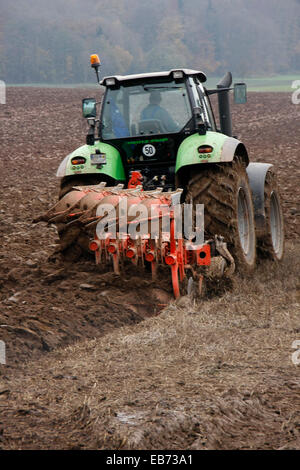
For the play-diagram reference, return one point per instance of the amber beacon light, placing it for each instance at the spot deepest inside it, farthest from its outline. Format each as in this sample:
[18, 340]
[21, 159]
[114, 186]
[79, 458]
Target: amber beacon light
[95, 61]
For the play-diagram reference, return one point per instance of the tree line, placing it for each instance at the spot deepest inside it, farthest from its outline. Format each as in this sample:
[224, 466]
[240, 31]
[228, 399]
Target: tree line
[50, 42]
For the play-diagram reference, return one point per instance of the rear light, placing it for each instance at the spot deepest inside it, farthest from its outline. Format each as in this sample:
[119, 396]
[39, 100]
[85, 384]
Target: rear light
[205, 149]
[78, 161]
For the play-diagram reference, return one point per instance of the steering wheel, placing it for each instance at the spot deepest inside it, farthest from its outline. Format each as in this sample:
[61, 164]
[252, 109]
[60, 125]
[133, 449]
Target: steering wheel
[151, 126]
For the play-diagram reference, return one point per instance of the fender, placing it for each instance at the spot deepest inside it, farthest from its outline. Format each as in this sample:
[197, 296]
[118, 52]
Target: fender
[257, 175]
[224, 149]
[113, 166]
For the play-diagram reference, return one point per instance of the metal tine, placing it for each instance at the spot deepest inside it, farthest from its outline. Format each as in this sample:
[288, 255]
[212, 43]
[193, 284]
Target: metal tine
[60, 216]
[74, 222]
[116, 189]
[54, 212]
[97, 188]
[64, 217]
[80, 188]
[89, 187]
[135, 190]
[50, 212]
[94, 220]
[47, 216]
[155, 192]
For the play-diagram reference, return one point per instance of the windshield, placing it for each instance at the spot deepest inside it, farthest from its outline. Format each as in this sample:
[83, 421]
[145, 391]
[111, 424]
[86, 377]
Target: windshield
[157, 108]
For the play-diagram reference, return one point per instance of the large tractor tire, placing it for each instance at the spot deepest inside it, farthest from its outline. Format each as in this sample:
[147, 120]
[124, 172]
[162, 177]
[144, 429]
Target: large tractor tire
[271, 243]
[228, 209]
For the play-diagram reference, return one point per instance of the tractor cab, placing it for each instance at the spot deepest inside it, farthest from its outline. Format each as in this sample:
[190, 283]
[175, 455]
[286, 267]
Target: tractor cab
[153, 104]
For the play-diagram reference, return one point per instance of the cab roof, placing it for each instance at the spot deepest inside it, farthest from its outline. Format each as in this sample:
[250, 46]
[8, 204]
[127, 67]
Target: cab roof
[142, 76]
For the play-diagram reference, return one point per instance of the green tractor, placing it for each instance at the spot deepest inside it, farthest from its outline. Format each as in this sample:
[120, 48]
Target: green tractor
[156, 133]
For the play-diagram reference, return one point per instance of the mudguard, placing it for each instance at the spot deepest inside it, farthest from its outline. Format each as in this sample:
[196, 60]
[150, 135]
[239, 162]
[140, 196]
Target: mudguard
[224, 149]
[113, 166]
[256, 175]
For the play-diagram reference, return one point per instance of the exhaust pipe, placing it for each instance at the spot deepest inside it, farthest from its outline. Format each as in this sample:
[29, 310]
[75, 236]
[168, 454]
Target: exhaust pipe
[224, 104]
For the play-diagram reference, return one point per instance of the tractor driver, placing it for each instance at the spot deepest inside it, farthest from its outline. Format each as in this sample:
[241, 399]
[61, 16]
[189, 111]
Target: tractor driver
[155, 111]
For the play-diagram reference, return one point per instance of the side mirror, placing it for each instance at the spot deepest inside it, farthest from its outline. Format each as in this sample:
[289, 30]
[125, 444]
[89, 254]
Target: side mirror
[240, 93]
[89, 108]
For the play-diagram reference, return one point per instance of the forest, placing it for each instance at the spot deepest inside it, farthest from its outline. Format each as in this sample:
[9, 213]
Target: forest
[50, 42]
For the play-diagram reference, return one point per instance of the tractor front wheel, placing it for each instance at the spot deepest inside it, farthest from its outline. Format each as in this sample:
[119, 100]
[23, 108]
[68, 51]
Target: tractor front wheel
[271, 243]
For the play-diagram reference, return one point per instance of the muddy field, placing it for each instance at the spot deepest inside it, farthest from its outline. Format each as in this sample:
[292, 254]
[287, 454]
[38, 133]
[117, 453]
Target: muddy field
[83, 370]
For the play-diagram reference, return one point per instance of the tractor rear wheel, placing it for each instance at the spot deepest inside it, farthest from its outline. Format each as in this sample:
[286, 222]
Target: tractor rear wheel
[271, 243]
[228, 209]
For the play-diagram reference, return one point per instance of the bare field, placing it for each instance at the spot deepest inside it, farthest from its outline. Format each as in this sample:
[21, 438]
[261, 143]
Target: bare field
[83, 370]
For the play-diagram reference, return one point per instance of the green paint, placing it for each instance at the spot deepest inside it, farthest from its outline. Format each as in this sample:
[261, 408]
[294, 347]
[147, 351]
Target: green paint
[188, 150]
[187, 154]
[113, 166]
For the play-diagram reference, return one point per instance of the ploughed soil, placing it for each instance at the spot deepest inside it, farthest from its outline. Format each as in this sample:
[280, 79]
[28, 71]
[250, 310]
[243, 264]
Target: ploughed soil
[82, 368]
